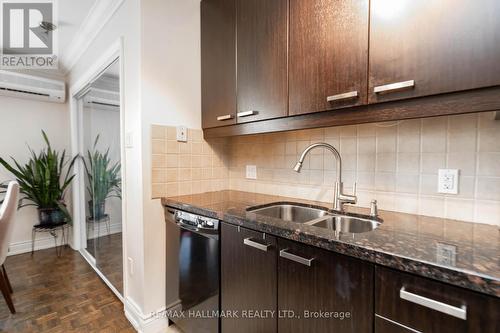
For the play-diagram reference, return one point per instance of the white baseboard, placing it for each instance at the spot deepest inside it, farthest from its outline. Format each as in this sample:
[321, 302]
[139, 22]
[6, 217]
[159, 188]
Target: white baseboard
[43, 241]
[40, 244]
[144, 323]
[103, 231]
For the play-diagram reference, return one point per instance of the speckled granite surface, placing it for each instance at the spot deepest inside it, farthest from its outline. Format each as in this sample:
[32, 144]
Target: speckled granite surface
[404, 241]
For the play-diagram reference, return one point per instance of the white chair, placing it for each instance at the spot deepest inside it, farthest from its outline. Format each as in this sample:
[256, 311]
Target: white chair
[7, 217]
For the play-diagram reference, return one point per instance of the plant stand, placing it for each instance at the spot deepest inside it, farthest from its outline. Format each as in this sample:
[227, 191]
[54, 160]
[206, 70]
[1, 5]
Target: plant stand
[96, 222]
[52, 229]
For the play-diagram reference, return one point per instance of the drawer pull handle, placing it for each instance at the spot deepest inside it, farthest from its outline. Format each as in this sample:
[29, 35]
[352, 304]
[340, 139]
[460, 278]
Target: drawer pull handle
[333, 98]
[251, 243]
[451, 310]
[296, 258]
[225, 117]
[394, 86]
[247, 113]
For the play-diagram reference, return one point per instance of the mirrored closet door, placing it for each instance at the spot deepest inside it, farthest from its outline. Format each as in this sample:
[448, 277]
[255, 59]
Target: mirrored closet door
[101, 159]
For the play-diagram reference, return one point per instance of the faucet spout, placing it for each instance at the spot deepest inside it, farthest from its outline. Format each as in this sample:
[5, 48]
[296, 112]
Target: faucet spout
[339, 197]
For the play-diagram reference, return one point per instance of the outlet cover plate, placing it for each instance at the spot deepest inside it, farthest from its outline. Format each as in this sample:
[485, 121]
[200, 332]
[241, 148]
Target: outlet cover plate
[251, 172]
[446, 254]
[182, 134]
[448, 181]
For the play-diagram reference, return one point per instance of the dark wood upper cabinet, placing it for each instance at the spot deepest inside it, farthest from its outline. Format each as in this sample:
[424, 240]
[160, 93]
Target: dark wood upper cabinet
[262, 43]
[248, 279]
[432, 47]
[328, 54]
[218, 63]
[313, 281]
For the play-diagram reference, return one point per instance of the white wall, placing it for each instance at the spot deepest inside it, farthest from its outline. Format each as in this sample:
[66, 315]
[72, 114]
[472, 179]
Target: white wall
[171, 95]
[125, 24]
[162, 86]
[21, 123]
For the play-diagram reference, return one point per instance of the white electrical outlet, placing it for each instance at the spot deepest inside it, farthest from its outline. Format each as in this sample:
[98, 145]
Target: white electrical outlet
[448, 181]
[182, 134]
[446, 254]
[251, 172]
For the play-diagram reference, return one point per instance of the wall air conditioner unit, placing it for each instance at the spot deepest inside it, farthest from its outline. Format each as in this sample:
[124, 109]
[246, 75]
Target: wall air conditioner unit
[102, 99]
[32, 87]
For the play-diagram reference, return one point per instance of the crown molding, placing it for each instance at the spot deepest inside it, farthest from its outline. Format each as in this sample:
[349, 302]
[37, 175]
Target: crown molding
[100, 14]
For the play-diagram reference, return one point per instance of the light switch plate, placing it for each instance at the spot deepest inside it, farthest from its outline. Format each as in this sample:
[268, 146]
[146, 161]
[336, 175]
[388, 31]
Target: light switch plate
[129, 140]
[181, 133]
[448, 181]
[251, 172]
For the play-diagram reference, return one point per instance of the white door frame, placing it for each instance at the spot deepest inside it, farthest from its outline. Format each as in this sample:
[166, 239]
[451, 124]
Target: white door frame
[78, 241]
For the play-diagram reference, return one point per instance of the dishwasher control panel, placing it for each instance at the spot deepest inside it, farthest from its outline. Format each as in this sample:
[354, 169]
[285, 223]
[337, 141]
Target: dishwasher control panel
[198, 221]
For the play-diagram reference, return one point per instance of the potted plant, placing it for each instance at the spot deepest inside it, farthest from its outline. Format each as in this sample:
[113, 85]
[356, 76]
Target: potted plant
[43, 183]
[103, 180]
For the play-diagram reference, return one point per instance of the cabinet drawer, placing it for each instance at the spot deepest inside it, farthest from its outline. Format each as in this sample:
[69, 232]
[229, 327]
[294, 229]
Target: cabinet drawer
[430, 306]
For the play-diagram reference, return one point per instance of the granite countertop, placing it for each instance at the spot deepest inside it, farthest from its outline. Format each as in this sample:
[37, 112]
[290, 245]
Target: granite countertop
[403, 241]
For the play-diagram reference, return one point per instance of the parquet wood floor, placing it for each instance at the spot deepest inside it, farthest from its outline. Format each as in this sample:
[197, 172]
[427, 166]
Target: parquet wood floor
[59, 295]
[108, 252]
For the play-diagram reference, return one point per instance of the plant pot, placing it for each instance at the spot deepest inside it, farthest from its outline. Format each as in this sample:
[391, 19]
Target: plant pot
[48, 216]
[97, 211]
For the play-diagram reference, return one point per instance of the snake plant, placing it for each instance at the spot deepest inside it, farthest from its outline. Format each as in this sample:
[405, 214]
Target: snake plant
[42, 180]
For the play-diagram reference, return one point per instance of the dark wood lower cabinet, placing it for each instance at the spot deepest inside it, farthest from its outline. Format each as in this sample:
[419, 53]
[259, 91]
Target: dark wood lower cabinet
[248, 280]
[321, 291]
[384, 325]
[278, 285]
[429, 306]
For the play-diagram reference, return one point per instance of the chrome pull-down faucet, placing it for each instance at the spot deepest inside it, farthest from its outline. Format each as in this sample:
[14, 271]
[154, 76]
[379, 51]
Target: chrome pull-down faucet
[339, 198]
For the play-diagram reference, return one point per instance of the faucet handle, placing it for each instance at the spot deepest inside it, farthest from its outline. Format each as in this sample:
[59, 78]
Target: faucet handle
[373, 208]
[354, 189]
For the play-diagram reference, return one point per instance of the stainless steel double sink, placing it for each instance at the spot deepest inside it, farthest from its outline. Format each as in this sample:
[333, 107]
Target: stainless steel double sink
[322, 218]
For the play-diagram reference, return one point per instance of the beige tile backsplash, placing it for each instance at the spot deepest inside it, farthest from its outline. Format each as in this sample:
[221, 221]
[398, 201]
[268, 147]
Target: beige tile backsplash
[180, 168]
[396, 163]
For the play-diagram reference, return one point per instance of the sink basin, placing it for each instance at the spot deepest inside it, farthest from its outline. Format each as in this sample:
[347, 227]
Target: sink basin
[346, 223]
[290, 212]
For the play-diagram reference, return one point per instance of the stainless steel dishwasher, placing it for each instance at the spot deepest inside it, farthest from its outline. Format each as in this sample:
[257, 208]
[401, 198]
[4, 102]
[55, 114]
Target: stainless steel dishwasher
[192, 285]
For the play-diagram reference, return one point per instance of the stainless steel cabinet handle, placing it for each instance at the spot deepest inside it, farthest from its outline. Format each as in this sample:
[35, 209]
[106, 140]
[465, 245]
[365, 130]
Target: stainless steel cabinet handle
[225, 117]
[394, 86]
[250, 242]
[246, 113]
[296, 258]
[451, 310]
[346, 95]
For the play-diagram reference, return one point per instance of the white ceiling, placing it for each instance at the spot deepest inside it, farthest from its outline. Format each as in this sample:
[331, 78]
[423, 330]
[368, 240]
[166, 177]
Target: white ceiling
[78, 23]
[71, 15]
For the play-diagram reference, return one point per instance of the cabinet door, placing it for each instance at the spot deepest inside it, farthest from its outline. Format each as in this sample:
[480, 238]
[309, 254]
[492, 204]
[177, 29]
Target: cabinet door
[321, 288]
[262, 59]
[248, 279]
[328, 54]
[218, 63]
[429, 306]
[427, 47]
